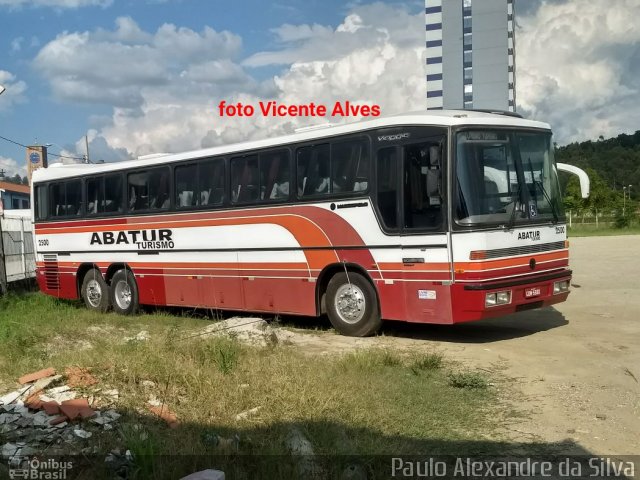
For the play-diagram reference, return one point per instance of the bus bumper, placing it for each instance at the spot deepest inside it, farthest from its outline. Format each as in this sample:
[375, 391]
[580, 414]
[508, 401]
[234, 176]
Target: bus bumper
[482, 300]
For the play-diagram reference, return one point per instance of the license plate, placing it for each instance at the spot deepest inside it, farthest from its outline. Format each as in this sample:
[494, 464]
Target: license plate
[532, 292]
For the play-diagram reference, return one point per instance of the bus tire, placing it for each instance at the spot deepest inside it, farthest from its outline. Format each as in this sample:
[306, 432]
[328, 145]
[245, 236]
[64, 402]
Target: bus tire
[124, 293]
[95, 291]
[352, 305]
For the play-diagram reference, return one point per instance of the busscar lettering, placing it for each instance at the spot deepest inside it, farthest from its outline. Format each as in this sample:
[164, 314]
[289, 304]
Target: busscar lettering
[157, 239]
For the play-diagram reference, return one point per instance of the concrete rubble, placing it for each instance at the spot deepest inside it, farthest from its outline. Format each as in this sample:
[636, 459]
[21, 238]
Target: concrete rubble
[254, 331]
[40, 416]
[205, 475]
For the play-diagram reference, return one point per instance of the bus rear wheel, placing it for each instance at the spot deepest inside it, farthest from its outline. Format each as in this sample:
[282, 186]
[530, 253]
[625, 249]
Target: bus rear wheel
[352, 306]
[95, 291]
[124, 293]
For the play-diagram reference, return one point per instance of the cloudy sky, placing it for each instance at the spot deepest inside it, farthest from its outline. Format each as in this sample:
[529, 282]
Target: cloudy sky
[145, 76]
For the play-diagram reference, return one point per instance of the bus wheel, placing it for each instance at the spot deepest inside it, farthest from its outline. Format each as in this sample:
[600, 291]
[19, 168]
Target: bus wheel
[124, 293]
[95, 291]
[351, 305]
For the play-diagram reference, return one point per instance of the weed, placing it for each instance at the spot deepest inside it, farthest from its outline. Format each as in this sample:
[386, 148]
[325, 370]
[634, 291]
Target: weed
[370, 359]
[468, 380]
[426, 362]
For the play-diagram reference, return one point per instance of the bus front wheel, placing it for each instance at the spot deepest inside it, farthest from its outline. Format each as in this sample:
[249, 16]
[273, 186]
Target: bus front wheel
[95, 291]
[124, 293]
[352, 305]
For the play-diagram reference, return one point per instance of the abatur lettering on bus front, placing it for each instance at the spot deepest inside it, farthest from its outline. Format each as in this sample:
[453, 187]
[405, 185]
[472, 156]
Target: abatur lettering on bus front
[160, 239]
[533, 235]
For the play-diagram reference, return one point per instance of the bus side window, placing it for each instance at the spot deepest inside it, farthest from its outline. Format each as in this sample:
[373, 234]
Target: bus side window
[74, 197]
[186, 184]
[350, 166]
[95, 195]
[244, 179]
[112, 194]
[313, 170]
[57, 200]
[41, 202]
[211, 182]
[421, 211]
[388, 186]
[274, 175]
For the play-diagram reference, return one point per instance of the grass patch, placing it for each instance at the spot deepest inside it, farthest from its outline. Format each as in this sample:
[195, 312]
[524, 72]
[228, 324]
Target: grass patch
[468, 380]
[368, 402]
[427, 362]
[578, 230]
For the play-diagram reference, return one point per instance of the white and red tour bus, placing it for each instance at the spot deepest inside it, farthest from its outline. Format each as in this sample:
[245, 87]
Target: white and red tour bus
[433, 217]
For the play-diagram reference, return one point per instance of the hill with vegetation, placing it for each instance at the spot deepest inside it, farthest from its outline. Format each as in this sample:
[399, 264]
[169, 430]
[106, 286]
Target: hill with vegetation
[612, 164]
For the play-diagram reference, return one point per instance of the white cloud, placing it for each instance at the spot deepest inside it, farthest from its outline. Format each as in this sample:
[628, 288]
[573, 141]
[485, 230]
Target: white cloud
[11, 167]
[576, 64]
[117, 67]
[165, 85]
[14, 92]
[56, 3]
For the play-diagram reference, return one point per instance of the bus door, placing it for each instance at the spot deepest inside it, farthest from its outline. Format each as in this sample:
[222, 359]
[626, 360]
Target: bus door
[426, 263]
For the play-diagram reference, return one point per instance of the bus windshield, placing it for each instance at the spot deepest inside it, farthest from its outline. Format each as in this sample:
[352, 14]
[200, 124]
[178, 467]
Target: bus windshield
[506, 178]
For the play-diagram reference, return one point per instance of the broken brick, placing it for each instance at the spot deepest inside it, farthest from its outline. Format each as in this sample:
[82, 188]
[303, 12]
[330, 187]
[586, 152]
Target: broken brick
[76, 402]
[70, 411]
[79, 377]
[87, 413]
[33, 401]
[52, 408]
[78, 407]
[164, 413]
[32, 377]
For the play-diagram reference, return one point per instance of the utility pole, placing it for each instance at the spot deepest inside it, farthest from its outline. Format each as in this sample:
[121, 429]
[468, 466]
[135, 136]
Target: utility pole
[3, 271]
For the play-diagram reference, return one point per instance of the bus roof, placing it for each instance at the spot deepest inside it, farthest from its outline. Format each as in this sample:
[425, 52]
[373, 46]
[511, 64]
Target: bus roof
[443, 118]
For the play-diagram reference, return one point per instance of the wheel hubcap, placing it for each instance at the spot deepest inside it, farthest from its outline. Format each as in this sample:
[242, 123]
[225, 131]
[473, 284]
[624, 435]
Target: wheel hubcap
[350, 303]
[94, 293]
[123, 295]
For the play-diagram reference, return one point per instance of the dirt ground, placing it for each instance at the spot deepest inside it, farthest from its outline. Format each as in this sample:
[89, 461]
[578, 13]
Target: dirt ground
[576, 366]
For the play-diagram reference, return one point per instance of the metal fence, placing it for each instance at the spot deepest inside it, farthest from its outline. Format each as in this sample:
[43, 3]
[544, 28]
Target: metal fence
[17, 253]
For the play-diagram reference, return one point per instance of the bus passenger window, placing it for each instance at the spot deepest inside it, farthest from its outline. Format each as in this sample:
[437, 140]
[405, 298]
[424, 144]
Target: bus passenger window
[211, 182]
[186, 186]
[149, 190]
[95, 194]
[244, 180]
[74, 197]
[274, 175]
[56, 200]
[41, 202]
[421, 211]
[112, 194]
[350, 166]
[313, 170]
[388, 186]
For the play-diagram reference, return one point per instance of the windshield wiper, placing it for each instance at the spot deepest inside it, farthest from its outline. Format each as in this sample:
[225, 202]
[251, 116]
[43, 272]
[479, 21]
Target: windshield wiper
[554, 210]
[516, 199]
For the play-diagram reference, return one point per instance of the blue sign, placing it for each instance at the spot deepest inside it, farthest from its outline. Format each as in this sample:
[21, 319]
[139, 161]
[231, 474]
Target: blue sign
[533, 210]
[34, 157]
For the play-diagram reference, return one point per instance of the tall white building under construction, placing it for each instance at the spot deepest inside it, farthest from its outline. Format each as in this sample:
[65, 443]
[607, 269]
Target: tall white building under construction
[470, 54]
